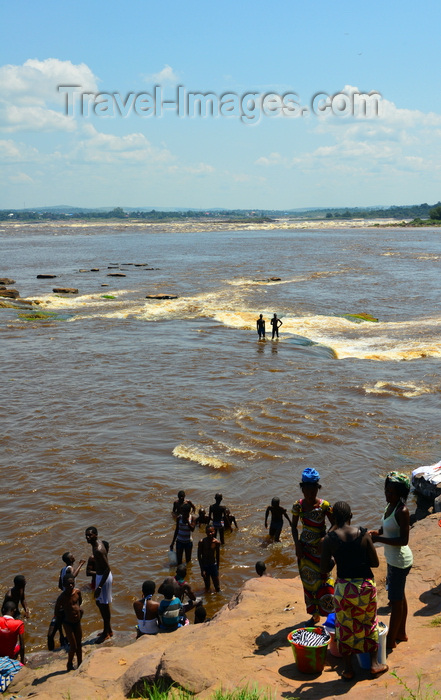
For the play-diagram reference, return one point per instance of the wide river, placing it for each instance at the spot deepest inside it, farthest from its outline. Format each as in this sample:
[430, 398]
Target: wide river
[112, 405]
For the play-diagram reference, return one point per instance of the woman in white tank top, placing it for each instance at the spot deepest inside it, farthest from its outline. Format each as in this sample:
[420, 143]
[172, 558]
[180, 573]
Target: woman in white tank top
[394, 535]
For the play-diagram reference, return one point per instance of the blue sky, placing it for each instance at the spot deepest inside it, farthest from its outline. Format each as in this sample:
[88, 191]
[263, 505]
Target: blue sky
[272, 160]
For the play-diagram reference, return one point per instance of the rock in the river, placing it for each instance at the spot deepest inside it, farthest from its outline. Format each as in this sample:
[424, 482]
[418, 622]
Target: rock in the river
[161, 296]
[45, 277]
[6, 280]
[65, 290]
[116, 274]
[9, 293]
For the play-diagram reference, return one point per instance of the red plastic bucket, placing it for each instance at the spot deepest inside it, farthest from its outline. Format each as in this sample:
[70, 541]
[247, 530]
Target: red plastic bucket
[309, 659]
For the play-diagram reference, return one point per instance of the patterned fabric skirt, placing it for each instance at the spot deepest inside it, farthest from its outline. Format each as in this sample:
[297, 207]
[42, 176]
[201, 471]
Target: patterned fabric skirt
[318, 588]
[356, 616]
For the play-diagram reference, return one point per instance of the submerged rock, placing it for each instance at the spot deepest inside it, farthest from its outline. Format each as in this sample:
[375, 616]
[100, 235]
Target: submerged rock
[9, 293]
[65, 290]
[45, 277]
[162, 296]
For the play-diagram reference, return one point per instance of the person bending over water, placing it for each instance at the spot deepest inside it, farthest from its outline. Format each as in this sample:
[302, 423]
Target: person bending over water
[355, 595]
[103, 590]
[17, 595]
[312, 511]
[394, 535]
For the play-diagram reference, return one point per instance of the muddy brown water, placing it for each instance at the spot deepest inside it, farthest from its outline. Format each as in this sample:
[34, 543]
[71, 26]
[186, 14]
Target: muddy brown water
[111, 405]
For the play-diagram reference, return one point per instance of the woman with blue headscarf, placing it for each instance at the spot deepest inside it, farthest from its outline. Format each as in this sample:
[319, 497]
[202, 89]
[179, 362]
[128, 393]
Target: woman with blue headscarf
[318, 588]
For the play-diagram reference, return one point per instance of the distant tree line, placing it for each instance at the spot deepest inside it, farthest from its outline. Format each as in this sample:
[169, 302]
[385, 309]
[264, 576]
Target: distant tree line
[417, 212]
[119, 213]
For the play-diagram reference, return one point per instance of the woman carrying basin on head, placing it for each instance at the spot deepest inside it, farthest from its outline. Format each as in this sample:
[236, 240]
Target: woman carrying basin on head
[312, 511]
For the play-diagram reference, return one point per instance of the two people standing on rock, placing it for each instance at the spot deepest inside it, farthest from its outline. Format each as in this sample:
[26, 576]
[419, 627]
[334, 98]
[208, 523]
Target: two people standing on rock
[275, 323]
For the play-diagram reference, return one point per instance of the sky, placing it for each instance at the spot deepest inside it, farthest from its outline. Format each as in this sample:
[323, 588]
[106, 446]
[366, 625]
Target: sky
[264, 139]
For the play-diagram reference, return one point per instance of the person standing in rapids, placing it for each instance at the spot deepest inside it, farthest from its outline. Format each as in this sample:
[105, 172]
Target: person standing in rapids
[318, 588]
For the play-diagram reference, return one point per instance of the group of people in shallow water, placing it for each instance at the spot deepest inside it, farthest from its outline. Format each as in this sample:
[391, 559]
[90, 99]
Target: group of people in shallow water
[351, 595]
[152, 617]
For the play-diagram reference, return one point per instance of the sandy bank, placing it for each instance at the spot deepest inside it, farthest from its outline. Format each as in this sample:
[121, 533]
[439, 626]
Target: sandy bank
[246, 643]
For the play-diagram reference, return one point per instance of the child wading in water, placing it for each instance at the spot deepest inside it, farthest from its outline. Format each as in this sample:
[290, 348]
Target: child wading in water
[277, 515]
[394, 534]
[69, 604]
[318, 588]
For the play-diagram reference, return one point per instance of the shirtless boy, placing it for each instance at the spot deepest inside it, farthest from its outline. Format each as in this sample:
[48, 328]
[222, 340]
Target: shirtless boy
[103, 590]
[277, 515]
[208, 557]
[181, 500]
[216, 513]
[69, 605]
[276, 323]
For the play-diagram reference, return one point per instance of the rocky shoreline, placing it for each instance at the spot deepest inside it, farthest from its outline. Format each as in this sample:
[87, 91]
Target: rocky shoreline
[246, 643]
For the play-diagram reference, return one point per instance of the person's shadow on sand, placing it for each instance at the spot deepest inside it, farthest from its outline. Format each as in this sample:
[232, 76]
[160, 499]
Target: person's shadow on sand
[432, 603]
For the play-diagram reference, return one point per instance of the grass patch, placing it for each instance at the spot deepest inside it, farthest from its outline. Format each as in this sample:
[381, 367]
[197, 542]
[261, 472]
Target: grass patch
[107, 296]
[40, 315]
[421, 692]
[160, 691]
[436, 622]
[164, 691]
[357, 318]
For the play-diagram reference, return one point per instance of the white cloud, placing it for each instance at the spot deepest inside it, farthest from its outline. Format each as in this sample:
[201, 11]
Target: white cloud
[30, 99]
[20, 179]
[109, 148]
[199, 169]
[166, 75]
[37, 81]
[13, 152]
[397, 140]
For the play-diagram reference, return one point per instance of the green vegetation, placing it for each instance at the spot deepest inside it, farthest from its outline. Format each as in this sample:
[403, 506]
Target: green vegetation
[227, 216]
[420, 693]
[429, 213]
[436, 622]
[358, 318]
[435, 213]
[41, 315]
[162, 691]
